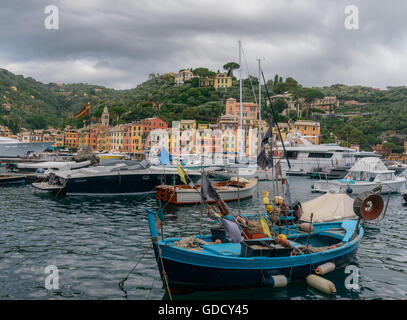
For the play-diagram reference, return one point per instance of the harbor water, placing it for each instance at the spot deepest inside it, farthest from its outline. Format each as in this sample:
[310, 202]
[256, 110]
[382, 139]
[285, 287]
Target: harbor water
[95, 241]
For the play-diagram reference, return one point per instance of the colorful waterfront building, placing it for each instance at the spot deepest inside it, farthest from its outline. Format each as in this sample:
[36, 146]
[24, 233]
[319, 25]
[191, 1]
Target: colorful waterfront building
[148, 125]
[127, 138]
[187, 124]
[137, 138]
[71, 139]
[116, 135]
[59, 141]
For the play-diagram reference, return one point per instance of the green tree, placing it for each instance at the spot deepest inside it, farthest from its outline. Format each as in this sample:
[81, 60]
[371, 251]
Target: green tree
[230, 66]
[310, 95]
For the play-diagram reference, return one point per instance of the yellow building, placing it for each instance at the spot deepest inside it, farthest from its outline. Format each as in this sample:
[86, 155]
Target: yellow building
[187, 124]
[4, 131]
[182, 76]
[222, 81]
[137, 143]
[207, 82]
[59, 141]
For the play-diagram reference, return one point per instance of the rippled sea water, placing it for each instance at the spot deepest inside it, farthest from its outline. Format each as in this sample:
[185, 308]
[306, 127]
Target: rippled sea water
[95, 241]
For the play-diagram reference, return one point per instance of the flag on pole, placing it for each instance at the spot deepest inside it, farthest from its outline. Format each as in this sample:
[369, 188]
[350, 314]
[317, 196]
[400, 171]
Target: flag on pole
[181, 173]
[262, 160]
[84, 112]
[164, 157]
[207, 190]
[268, 134]
[265, 227]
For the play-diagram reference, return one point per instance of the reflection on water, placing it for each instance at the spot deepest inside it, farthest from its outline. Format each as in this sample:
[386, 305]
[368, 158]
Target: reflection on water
[96, 241]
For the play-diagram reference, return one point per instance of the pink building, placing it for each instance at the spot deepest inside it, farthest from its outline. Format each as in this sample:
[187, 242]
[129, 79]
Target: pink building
[249, 109]
[150, 124]
[127, 138]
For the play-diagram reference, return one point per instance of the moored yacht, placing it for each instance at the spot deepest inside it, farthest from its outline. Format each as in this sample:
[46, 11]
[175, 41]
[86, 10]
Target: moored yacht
[306, 157]
[365, 175]
[119, 179]
[12, 148]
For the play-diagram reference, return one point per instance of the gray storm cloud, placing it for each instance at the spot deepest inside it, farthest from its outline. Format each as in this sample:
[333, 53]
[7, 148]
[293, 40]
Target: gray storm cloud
[117, 44]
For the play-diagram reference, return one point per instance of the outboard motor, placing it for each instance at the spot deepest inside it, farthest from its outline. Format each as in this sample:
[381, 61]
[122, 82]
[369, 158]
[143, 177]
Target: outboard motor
[369, 205]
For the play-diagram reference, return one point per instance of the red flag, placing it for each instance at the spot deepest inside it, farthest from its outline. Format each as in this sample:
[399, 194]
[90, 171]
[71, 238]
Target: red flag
[84, 112]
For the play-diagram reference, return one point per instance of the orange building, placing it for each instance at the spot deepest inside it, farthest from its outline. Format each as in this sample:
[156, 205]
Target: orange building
[71, 139]
[308, 129]
[83, 138]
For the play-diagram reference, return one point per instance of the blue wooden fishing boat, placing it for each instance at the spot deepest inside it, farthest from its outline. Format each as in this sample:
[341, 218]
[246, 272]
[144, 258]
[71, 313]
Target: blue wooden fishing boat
[211, 265]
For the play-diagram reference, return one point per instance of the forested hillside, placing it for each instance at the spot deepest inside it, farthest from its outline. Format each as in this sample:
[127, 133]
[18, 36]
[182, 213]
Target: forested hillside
[27, 103]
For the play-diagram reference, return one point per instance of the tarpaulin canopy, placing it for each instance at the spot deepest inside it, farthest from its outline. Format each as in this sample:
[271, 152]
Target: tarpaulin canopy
[370, 164]
[329, 207]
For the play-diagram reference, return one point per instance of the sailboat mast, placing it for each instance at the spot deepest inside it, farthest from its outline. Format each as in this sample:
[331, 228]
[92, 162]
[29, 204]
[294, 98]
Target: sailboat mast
[259, 110]
[241, 90]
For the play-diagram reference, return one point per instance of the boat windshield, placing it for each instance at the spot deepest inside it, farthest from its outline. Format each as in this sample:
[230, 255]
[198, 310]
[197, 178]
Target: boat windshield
[362, 175]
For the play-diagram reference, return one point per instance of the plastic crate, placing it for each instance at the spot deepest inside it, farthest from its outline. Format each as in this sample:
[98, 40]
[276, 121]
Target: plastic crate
[218, 233]
[263, 248]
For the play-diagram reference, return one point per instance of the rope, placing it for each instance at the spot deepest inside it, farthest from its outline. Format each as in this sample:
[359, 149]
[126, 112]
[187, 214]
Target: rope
[121, 283]
[164, 273]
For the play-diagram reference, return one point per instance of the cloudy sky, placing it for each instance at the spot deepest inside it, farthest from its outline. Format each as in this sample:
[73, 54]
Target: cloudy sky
[119, 43]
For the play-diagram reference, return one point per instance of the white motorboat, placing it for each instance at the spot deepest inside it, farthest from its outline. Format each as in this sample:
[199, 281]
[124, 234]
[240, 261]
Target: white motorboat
[119, 179]
[231, 171]
[365, 175]
[230, 190]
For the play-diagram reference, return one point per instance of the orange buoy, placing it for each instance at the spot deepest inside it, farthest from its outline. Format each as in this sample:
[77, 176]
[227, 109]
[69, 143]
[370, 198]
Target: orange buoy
[283, 242]
[307, 227]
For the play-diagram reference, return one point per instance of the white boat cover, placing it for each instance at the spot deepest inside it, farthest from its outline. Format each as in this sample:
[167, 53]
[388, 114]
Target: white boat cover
[370, 164]
[329, 207]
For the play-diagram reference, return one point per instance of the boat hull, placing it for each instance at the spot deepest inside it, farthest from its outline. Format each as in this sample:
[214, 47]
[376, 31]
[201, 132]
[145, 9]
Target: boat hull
[6, 180]
[356, 188]
[184, 195]
[184, 276]
[226, 266]
[15, 150]
[119, 184]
